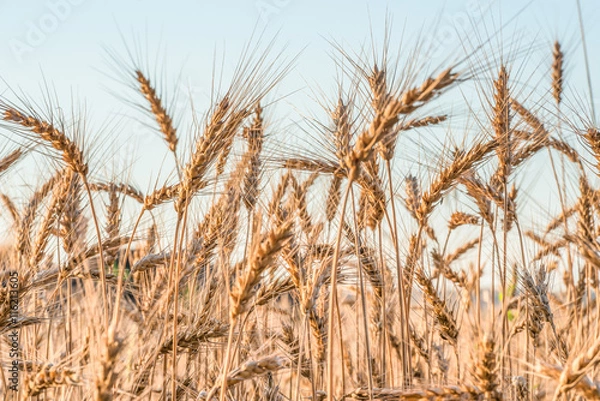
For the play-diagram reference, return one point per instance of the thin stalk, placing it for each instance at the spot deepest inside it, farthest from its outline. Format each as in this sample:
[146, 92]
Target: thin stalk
[179, 247]
[300, 352]
[478, 282]
[587, 61]
[313, 385]
[404, 302]
[363, 303]
[383, 303]
[115, 318]
[105, 305]
[227, 361]
[504, 269]
[333, 293]
[167, 303]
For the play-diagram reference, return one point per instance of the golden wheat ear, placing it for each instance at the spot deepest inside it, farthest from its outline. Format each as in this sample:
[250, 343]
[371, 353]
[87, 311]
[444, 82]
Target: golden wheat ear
[7, 161]
[164, 120]
[41, 377]
[557, 72]
[71, 154]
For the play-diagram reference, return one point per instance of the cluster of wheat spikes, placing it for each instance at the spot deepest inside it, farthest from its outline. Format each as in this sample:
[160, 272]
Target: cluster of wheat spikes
[327, 277]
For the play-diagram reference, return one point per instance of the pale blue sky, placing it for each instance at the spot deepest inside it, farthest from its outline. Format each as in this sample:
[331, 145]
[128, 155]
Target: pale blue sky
[63, 41]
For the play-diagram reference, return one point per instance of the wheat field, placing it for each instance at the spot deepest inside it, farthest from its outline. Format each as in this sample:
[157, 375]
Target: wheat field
[262, 270]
